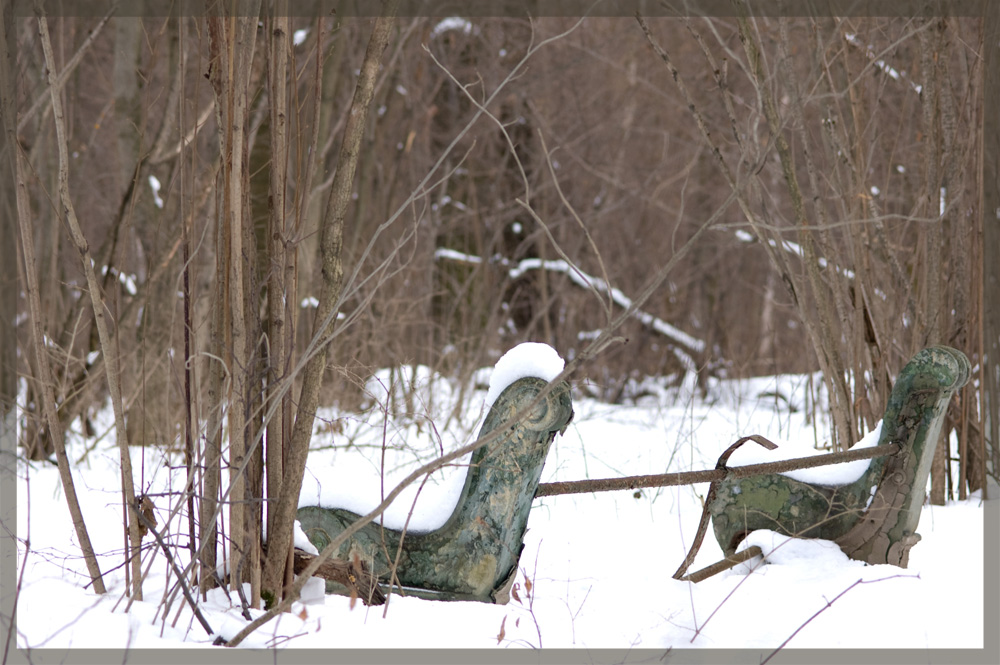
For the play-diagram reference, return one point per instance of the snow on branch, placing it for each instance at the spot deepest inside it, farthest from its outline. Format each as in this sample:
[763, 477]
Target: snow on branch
[886, 68]
[586, 281]
[454, 255]
[796, 249]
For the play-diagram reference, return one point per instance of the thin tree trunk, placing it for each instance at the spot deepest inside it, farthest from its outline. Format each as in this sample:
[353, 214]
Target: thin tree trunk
[930, 42]
[332, 273]
[989, 260]
[20, 169]
[277, 237]
[232, 47]
[45, 379]
[8, 241]
[108, 347]
[212, 481]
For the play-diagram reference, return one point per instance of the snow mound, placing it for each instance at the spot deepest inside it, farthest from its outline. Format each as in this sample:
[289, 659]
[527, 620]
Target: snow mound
[527, 359]
[783, 550]
[301, 540]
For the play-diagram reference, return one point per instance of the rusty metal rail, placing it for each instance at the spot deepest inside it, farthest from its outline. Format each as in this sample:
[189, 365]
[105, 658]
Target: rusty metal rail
[689, 477]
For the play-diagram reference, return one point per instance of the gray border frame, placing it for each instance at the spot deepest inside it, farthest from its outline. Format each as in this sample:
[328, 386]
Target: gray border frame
[537, 8]
[989, 655]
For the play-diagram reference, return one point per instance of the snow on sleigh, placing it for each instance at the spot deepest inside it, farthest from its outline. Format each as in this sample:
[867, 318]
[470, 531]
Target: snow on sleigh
[474, 556]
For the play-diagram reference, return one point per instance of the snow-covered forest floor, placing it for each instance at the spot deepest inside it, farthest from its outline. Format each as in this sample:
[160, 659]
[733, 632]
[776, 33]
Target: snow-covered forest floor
[599, 565]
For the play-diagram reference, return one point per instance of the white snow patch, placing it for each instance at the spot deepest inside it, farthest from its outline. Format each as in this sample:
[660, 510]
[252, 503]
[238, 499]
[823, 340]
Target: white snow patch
[154, 184]
[885, 67]
[589, 281]
[128, 281]
[781, 550]
[831, 475]
[455, 255]
[313, 592]
[452, 23]
[528, 359]
[301, 541]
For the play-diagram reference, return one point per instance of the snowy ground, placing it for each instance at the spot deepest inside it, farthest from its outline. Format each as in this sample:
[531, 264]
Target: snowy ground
[600, 565]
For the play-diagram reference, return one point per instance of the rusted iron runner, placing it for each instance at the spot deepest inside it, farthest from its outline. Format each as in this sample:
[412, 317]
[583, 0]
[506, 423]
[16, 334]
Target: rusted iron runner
[690, 477]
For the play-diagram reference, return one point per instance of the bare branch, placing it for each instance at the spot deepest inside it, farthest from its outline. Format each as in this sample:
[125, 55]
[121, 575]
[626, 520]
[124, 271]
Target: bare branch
[44, 98]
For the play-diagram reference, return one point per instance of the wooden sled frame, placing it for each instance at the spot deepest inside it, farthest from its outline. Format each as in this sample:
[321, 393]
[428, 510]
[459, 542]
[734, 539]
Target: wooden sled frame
[474, 555]
[873, 519]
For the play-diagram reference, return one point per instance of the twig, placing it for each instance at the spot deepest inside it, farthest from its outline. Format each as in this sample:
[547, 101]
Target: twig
[44, 98]
[529, 586]
[829, 604]
[38, 335]
[180, 577]
[244, 604]
[17, 594]
[393, 578]
[747, 554]
[525, 202]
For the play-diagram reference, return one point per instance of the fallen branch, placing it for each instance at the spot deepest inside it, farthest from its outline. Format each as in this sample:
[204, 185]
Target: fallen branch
[597, 284]
[352, 574]
[691, 477]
